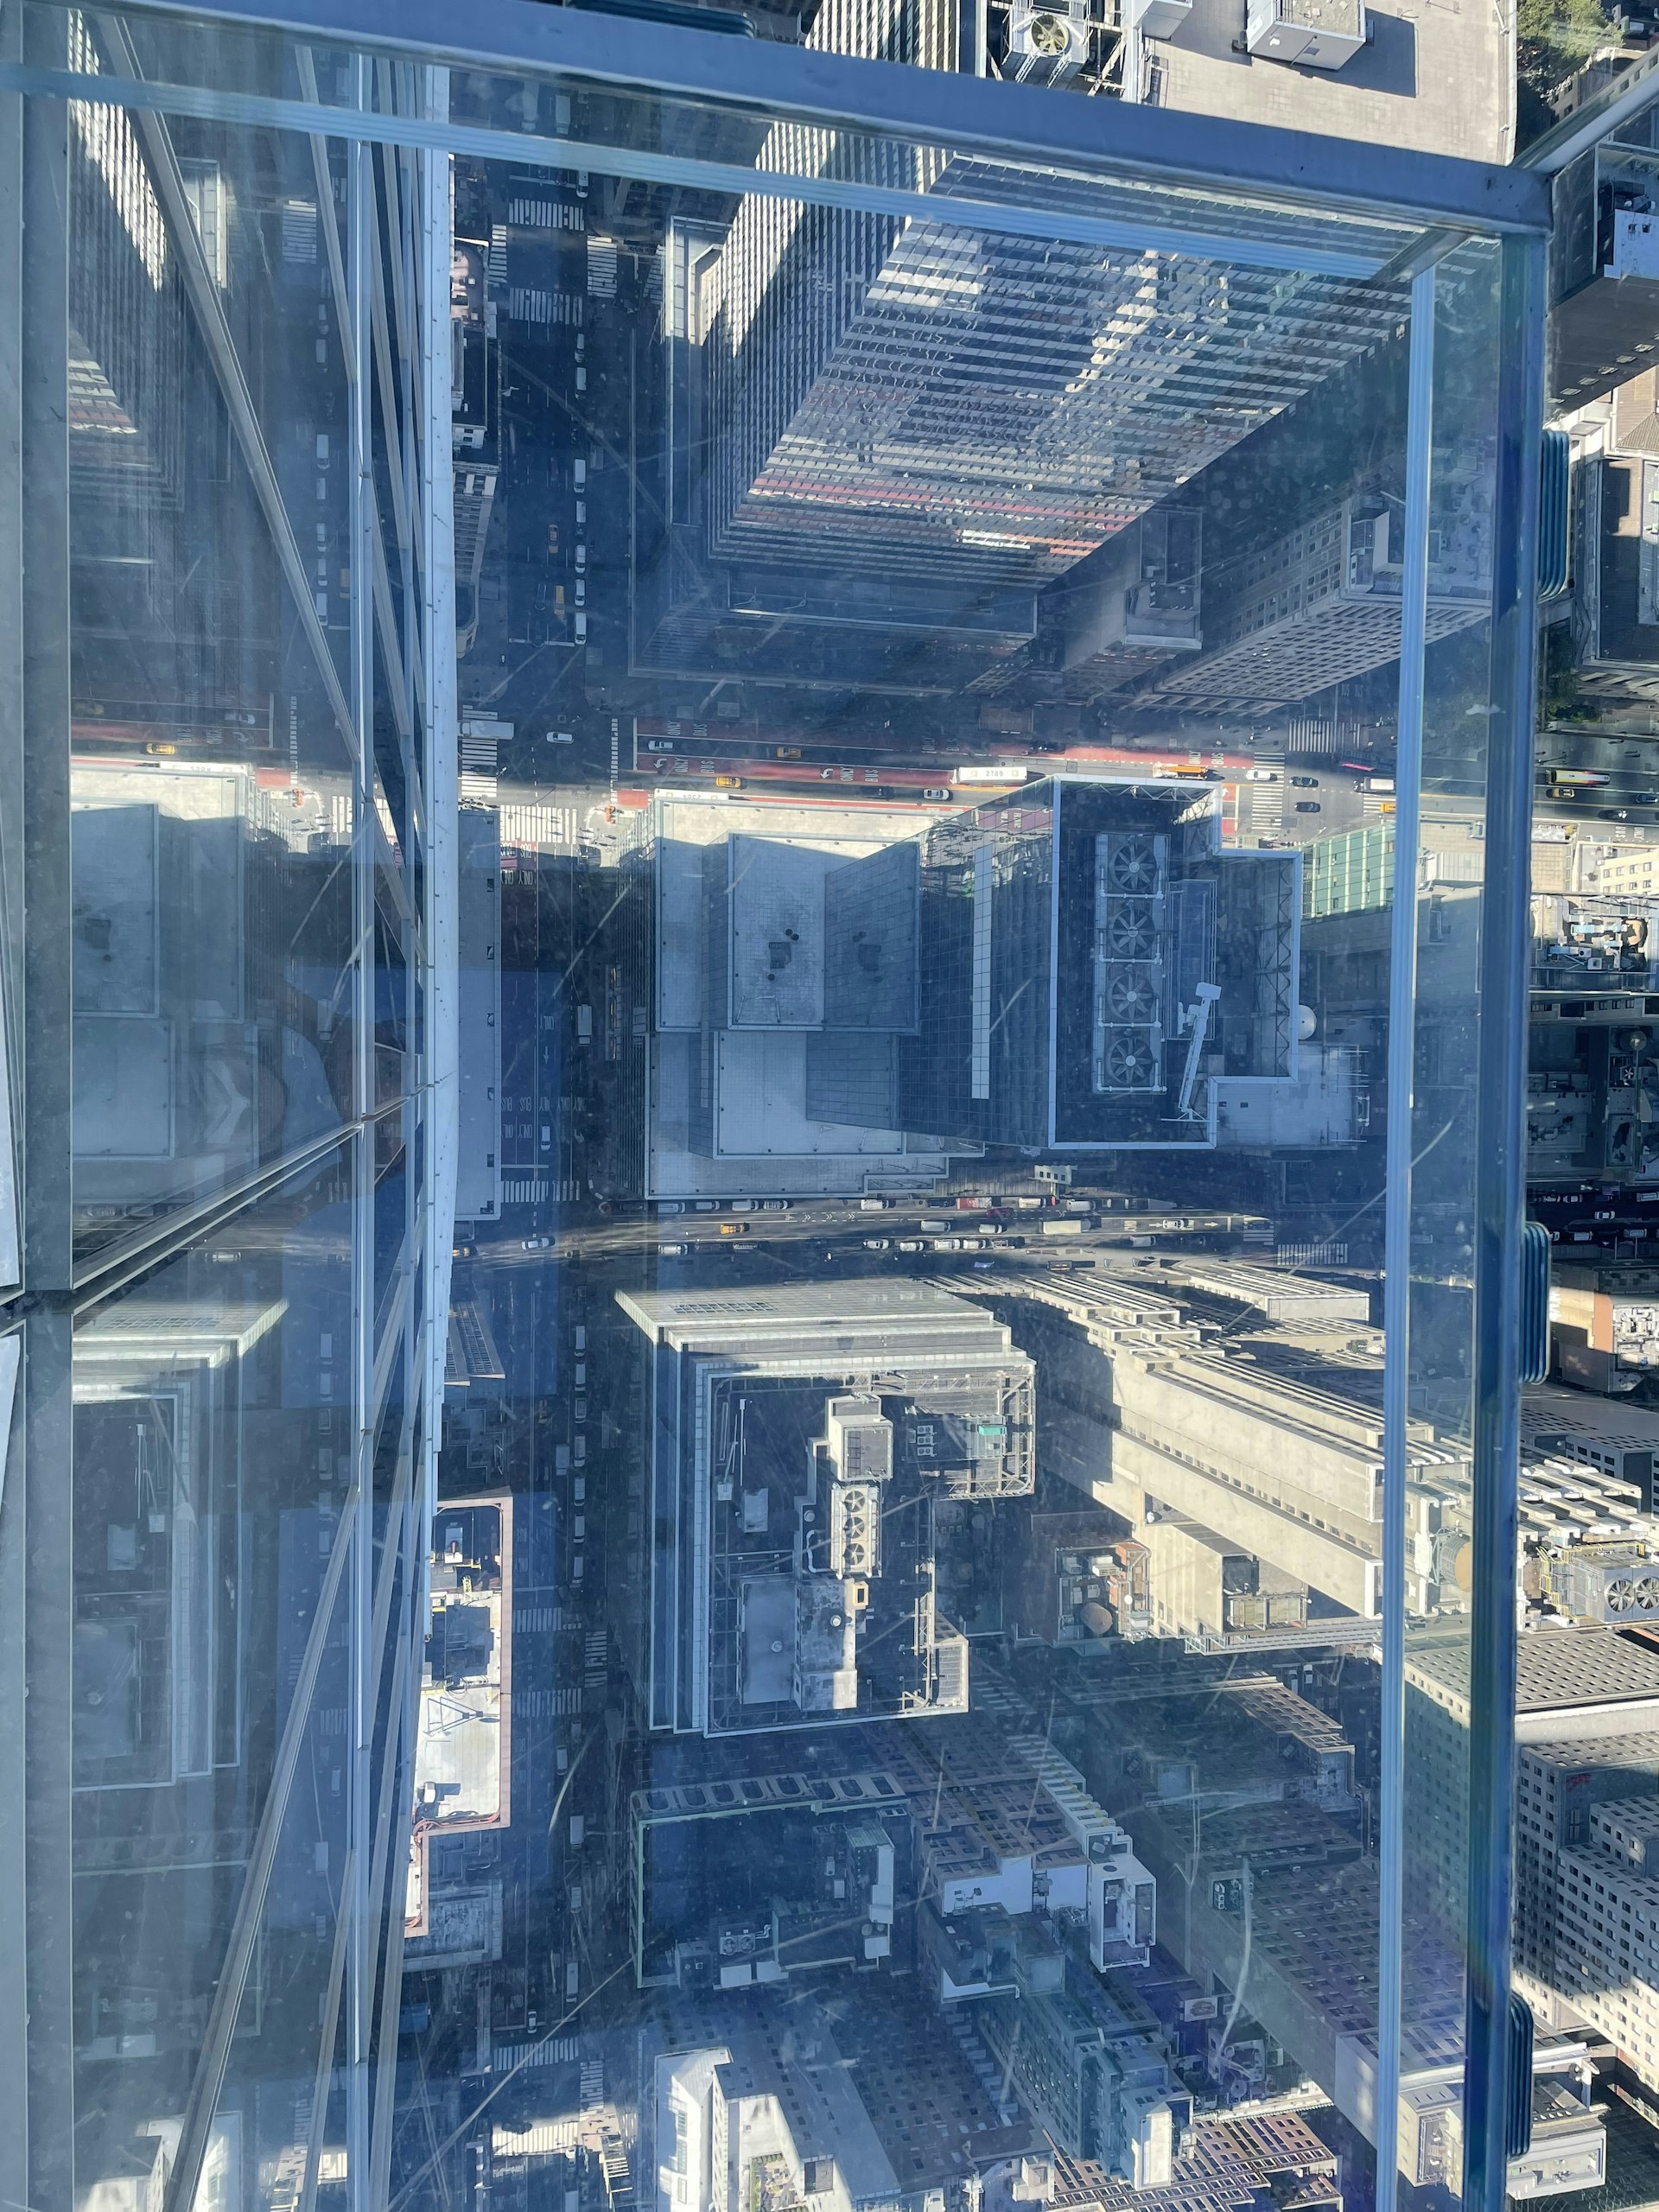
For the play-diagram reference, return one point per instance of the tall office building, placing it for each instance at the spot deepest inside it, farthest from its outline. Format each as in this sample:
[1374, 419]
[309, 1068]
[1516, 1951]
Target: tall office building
[1097, 963]
[875, 451]
[1099, 969]
[1587, 1901]
[805, 1439]
[1321, 604]
[1251, 1479]
[884, 400]
[1592, 1085]
[1574, 1685]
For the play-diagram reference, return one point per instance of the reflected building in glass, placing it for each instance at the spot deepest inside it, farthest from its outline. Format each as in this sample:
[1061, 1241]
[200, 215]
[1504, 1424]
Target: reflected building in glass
[232, 817]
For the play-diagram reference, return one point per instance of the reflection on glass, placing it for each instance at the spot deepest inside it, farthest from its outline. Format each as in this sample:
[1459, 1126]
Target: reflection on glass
[881, 1705]
[211, 789]
[213, 1439]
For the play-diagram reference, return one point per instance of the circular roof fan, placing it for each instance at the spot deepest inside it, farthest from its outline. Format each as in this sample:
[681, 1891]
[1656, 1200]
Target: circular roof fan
[1621, 1596]
[1130, 1066]
[1132, 866]
[1131, 998]
[1049, 34]
[1130, 935]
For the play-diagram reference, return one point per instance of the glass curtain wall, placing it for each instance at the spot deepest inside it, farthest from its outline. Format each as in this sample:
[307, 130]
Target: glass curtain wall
[229, 818]
[906, 901]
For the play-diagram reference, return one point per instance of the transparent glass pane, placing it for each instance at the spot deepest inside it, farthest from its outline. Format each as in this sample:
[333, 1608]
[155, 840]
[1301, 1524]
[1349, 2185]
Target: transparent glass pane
[210, 773]
[884, 1275]
[213, 1433]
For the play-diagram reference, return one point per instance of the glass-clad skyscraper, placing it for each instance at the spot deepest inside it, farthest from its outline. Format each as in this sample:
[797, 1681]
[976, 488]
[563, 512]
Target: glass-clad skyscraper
[762, 1406]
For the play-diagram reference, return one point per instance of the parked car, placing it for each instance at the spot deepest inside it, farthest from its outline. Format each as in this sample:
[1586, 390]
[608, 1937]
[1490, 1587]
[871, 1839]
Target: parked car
[876, 1244]
[671, 1251]
[774, 1205]
[670, 1205]
[910, 1244]
[705, 1205]
[742, 1205]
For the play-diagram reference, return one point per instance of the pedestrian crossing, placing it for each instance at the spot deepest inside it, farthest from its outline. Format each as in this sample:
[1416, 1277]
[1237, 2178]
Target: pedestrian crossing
[299, 230]
[546, 215]
[550, 2050]
[537, 1620]
[540, 828]
[524, 1191]
[601, 268]
[546, 1704]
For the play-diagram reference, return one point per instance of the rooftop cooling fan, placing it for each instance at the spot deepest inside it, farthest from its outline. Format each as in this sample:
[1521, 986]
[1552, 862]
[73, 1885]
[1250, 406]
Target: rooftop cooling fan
[1132, 866]
[1130, 1064]
[1049, 33]
[1130, 997]
[1131, 934]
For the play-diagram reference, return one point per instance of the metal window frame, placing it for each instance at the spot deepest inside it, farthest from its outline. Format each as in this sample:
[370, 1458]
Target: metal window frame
[1255, 161]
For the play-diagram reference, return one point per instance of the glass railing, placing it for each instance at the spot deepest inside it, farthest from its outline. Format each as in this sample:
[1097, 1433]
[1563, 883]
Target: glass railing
[762, 817]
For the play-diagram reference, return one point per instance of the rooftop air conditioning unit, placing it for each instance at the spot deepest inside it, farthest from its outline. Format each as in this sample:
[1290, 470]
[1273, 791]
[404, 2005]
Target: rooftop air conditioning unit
[1048, 40]
[1314, 34]
[1157, 18]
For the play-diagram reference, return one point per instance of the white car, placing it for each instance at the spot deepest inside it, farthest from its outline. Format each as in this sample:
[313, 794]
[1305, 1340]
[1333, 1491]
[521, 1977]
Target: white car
[1261, 775]
[875, 1244]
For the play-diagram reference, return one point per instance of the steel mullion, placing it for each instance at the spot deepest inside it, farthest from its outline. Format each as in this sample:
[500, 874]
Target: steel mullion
[365, 826]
